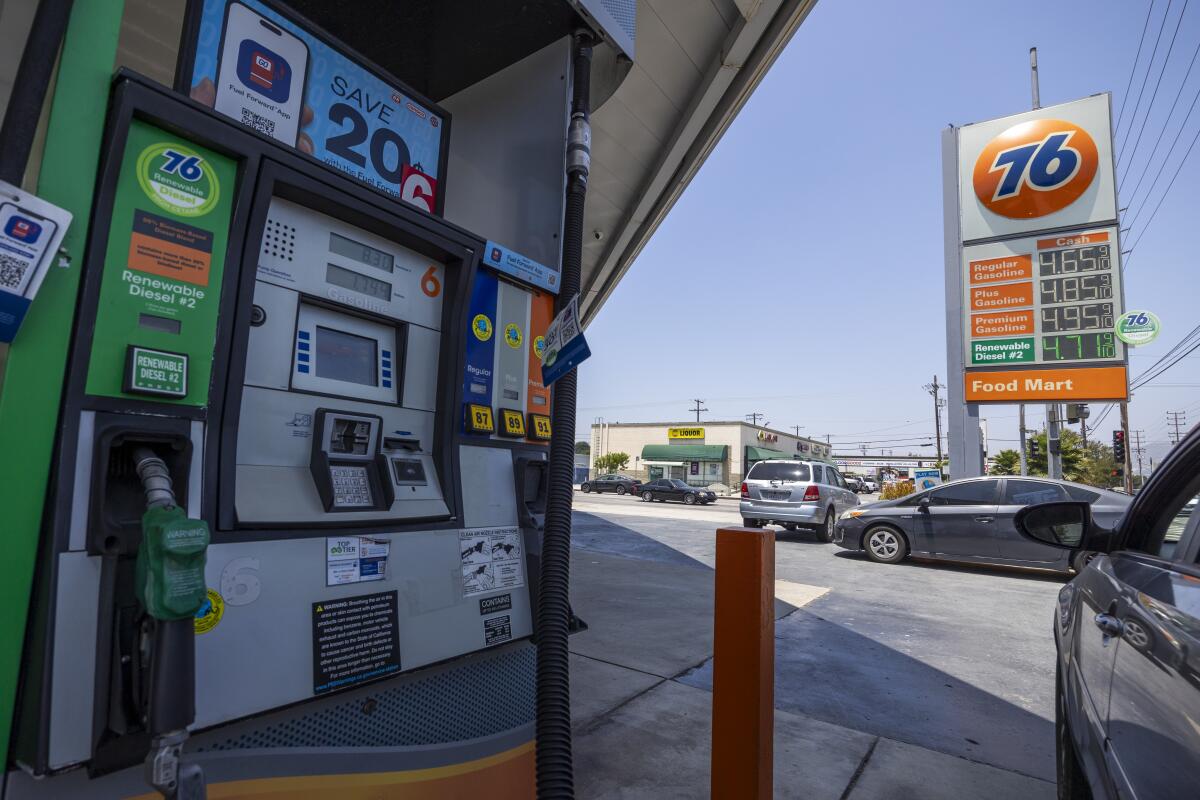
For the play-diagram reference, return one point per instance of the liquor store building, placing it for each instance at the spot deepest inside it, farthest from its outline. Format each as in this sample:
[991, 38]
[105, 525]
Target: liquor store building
[699, 453]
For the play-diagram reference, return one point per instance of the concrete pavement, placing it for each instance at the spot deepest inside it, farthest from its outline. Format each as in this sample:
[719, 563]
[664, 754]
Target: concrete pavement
[641, 682]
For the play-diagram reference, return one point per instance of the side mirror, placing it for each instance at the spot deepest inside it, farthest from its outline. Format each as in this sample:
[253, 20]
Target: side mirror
[923, 504]
[1064, 525]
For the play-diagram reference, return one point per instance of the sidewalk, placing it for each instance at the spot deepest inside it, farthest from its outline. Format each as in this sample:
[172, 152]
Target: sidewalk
[642, 730]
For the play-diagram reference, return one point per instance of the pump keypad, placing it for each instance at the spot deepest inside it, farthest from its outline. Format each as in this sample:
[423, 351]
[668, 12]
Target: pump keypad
[350, 486]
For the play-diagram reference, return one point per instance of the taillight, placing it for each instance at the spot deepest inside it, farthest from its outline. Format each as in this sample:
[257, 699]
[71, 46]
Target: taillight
[812, 493]
[745, 490]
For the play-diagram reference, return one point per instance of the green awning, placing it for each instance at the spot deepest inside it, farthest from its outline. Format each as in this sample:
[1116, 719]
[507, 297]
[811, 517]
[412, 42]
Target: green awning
[765, 454]
[684, 452]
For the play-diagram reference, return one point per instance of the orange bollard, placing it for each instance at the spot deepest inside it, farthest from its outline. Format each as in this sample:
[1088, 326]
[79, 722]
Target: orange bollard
[743, 703]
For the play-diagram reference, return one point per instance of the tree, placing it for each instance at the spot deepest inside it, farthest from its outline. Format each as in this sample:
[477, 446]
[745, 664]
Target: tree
[1007, 462]
[1092, 465]
[582, 449]
[612, 462]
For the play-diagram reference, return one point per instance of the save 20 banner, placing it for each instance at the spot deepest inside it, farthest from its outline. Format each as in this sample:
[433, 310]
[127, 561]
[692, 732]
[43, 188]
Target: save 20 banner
[260, 68]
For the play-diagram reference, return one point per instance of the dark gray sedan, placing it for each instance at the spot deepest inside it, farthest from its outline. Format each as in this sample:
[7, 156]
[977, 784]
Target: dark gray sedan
[970, 520]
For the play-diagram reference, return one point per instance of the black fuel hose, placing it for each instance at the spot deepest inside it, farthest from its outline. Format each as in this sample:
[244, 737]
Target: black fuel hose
[555, 771]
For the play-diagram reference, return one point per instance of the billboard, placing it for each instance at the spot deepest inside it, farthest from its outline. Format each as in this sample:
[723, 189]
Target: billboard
[1039, 270]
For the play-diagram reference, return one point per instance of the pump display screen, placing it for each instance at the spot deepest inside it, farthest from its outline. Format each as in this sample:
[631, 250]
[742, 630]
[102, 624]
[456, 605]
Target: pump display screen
[346, 357]
[363, 254]
[348, 279]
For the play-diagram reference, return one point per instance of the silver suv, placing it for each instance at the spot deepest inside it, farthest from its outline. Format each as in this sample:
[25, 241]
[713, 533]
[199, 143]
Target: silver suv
[795, 494]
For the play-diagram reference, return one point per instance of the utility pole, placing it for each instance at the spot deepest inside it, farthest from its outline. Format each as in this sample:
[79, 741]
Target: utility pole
[1053, 443]
[1033, 79]
[1128, 465]
[1177, 420]
[698, 409]
[797, 428]
[1137, 448]
[754, 417]
[934, 388]
[1021, 439]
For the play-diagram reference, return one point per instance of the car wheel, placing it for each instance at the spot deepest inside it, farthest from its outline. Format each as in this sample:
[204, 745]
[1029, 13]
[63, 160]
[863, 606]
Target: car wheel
[789, 526]
[647, 496]
[885, 545]
[1072, 782]
[1080, 560]
[689, 499]
[587, 487]
[620, 490]
[825, 532]
[751, 523]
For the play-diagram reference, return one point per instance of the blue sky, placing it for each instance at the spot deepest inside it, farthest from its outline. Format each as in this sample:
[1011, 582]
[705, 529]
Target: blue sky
[801, 273]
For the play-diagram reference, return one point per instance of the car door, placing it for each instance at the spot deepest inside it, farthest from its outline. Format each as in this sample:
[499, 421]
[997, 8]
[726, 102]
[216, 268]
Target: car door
[1015, 495]
[843, 497]
[1154, 696]
[960, 519]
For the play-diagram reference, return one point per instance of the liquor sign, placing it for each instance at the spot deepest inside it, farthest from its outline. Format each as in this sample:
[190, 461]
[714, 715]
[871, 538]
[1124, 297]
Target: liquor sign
[1039, 256]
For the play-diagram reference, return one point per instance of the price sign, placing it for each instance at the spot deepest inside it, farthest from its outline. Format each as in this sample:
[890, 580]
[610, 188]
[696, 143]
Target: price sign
[1043, 300]
[539, 427]
[514, 424]
[479, 419]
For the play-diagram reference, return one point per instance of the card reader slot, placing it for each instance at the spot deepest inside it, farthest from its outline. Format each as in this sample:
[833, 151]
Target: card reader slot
[396, 443]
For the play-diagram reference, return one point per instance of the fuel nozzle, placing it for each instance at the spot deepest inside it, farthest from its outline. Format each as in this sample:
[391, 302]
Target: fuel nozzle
[171, 587]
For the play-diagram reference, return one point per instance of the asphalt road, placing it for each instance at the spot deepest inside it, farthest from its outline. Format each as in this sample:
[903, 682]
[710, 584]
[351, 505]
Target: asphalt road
[954, 659]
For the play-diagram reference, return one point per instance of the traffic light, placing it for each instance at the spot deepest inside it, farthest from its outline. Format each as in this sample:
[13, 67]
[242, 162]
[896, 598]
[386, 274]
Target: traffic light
[1119, 446]
[1119, 473]
[1033, 448]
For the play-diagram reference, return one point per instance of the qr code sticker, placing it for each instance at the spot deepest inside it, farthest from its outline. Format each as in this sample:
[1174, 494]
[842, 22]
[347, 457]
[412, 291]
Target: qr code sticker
[258, 122]
[12, 270]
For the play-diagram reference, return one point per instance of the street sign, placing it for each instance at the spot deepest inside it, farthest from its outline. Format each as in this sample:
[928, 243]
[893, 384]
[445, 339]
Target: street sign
[1043, 300]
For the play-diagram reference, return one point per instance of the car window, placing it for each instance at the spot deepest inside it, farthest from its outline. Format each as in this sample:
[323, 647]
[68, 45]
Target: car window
[835, 478]
[777, 471]
[1176, 525]
[967, 493]
[678, 484]
[1079, 493]
[1029, 493]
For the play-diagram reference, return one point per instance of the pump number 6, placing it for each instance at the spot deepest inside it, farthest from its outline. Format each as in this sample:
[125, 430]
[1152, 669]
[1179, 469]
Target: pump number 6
[430, 284]
[240, 585]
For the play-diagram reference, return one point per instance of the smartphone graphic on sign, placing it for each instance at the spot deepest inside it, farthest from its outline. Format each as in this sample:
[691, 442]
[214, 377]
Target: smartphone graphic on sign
[260, 77]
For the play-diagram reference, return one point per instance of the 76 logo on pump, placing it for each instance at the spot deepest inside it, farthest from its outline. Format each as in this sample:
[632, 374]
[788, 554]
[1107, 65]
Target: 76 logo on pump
[1035, 168]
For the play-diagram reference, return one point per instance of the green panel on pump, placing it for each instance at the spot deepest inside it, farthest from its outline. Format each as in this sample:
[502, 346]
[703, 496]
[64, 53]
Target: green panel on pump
[163, 267]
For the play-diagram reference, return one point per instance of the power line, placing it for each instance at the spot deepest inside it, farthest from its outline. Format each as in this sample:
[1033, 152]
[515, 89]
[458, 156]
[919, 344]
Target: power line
[1133, 66]
[1173, 419]
[1149, 64]
[1157, 84]
[754, 417]
[698, 409]
[1166, 160]
[1163, 131]
[1167, 191]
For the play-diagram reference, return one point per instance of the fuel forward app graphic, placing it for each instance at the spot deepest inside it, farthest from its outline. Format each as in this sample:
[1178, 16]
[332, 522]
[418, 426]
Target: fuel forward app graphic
[264, 71]
[24, 230]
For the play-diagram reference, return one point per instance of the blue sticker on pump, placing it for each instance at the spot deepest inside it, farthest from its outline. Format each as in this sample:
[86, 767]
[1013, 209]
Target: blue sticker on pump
[513, 263]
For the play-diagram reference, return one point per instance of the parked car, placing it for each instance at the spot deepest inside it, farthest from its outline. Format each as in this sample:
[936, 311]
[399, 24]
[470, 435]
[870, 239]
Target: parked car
[795, 494]
[870, 485]
[676, 490]
[854, 484]
[620, 484]
[968, 520]
[1127, 630]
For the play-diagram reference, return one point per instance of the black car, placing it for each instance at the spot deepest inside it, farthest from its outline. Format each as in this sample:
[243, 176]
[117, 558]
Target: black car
[1127, 629]
[969, 520]
[618, 484]
[666, 489]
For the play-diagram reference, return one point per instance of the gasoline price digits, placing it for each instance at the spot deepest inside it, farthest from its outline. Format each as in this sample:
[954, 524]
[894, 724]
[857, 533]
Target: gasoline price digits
[1073, 288]
[1079, 347]
[1090, 317]
[1091, 258]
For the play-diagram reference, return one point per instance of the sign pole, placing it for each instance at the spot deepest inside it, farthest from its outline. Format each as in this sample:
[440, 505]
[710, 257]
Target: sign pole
[1127, 465]
[1021, 438]
[1053, 443]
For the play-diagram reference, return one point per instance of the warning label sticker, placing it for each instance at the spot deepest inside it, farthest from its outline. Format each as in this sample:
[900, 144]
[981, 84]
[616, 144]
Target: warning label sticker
[170, 249]
[492, 558]
[355, 639]
[497, 630]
